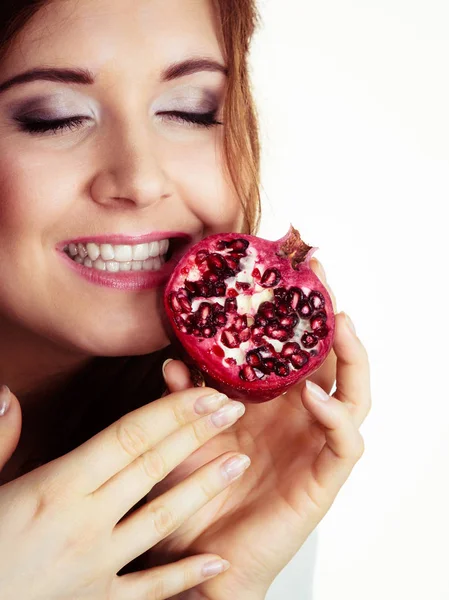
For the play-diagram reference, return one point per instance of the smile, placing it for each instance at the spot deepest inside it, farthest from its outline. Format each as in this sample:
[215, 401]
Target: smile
[114, 258]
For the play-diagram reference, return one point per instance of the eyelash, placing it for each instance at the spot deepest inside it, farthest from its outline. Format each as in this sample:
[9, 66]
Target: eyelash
[42, 126]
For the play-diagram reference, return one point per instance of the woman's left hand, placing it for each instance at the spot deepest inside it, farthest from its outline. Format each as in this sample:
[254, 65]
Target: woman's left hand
[302, 451]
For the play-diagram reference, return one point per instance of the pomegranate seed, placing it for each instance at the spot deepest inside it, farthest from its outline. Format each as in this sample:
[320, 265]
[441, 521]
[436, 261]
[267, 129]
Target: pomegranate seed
[209, 276]
[257, 333]
[268, 364]
[299, 359]
[220, 289]
[230, 305]
[245, 335]
[281, 368]
[233, 264]
[247, 373]
[289, 349]
[218, 351]
[230, 339]
[230, 361]
[185, 271]
[216, 263]
[280, 293]
[260, 321]
[192, 287]
[267, 310]
[221, 245]
[318, 320]
[322, 332]
[304, 309]
[295, 296]
[289, 321]
[282, 309]
[277, 333]
[254, 359]
[309, 340]
[174, 302]
[232, 293]
[241, 285]
[270, 278]
[240, 323]
[201, 257]
[256, 274]
[239, 245]
[204, 312]
[316, 300]
[209, 331]
[185, 303]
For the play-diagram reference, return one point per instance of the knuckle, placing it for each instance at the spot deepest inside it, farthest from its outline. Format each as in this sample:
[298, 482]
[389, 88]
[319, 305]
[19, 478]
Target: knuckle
[200, 431]
[132, 438]
[180, 413]
[164, 521]
[207, 489]
[153, 465]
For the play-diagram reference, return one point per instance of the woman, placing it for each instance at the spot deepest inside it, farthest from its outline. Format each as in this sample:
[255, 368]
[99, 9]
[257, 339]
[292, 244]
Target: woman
[137, 126]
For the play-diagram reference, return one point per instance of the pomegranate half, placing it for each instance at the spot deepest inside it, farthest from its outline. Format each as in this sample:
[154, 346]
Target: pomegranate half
[250, 313]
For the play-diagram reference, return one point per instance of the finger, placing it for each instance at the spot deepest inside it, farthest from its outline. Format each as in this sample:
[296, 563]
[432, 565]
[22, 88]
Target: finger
[118, 495]
[176, 375]
[353, 371]
[344, 444]
[325, 375]
[319, 271]
[10, 424]
[156, 520]
[164, 582]
[116, 447]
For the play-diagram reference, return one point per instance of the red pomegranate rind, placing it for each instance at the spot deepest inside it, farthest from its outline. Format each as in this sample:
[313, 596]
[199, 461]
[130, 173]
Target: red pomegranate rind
[250, 313]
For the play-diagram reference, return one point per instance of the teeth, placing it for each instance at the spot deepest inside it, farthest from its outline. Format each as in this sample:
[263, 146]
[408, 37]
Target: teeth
[124, 255]
[114, 266]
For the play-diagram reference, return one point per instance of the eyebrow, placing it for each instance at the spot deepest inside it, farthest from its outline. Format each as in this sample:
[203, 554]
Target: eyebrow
[86, 77]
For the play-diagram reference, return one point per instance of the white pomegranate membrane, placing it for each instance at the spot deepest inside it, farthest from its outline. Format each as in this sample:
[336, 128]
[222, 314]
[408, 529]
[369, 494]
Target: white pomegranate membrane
[251, 313]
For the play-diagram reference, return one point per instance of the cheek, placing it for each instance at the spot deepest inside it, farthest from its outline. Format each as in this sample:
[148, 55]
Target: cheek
[204, 184]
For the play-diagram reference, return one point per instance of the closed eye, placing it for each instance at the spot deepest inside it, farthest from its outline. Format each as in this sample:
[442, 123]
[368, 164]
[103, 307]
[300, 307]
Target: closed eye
[42, 126]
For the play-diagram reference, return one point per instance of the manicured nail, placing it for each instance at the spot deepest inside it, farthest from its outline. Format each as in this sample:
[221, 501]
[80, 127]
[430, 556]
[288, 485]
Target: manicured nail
[228, 413]
[350, 324]
[316, 392]
[321, 270]
[208, 404]
[235, 466]
[164, 365]
[5, 396]
[214, 567]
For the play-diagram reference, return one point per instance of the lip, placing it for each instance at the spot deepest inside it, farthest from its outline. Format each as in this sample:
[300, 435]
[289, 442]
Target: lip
[128, 280]
[121, 239]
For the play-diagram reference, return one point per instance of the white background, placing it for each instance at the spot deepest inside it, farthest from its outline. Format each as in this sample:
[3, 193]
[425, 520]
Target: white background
[353, 98]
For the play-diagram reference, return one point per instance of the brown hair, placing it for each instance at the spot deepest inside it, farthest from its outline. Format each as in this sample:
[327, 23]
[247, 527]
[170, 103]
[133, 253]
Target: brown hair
[109, 387]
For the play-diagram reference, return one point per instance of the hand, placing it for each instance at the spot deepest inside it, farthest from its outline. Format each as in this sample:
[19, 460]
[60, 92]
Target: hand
[60, 535]
[302, 451]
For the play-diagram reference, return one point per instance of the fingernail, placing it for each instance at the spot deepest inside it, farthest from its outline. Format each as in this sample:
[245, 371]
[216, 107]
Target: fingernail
[5, 397]
[208, 404]
[164, 365]
[350, 324]
[214, 567]
[316, 392]
[235, 466]
[228, 413]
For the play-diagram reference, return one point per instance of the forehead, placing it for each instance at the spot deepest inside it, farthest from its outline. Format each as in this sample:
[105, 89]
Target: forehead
[99, 32]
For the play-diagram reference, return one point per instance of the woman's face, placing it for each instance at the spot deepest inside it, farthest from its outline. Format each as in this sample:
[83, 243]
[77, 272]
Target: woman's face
[129, 167]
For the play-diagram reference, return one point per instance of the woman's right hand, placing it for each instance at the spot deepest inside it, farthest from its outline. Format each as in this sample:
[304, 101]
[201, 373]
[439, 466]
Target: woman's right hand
[60, 535]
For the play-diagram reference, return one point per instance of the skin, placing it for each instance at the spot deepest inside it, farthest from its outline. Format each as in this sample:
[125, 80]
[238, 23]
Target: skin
[116, 176]
[302, 451]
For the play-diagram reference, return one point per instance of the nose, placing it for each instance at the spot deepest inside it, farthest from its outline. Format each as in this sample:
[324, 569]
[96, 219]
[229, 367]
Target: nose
[131, 173]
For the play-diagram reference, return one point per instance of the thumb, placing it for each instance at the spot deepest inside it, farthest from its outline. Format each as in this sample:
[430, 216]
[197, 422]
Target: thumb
[10, 424]
[176, 375]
